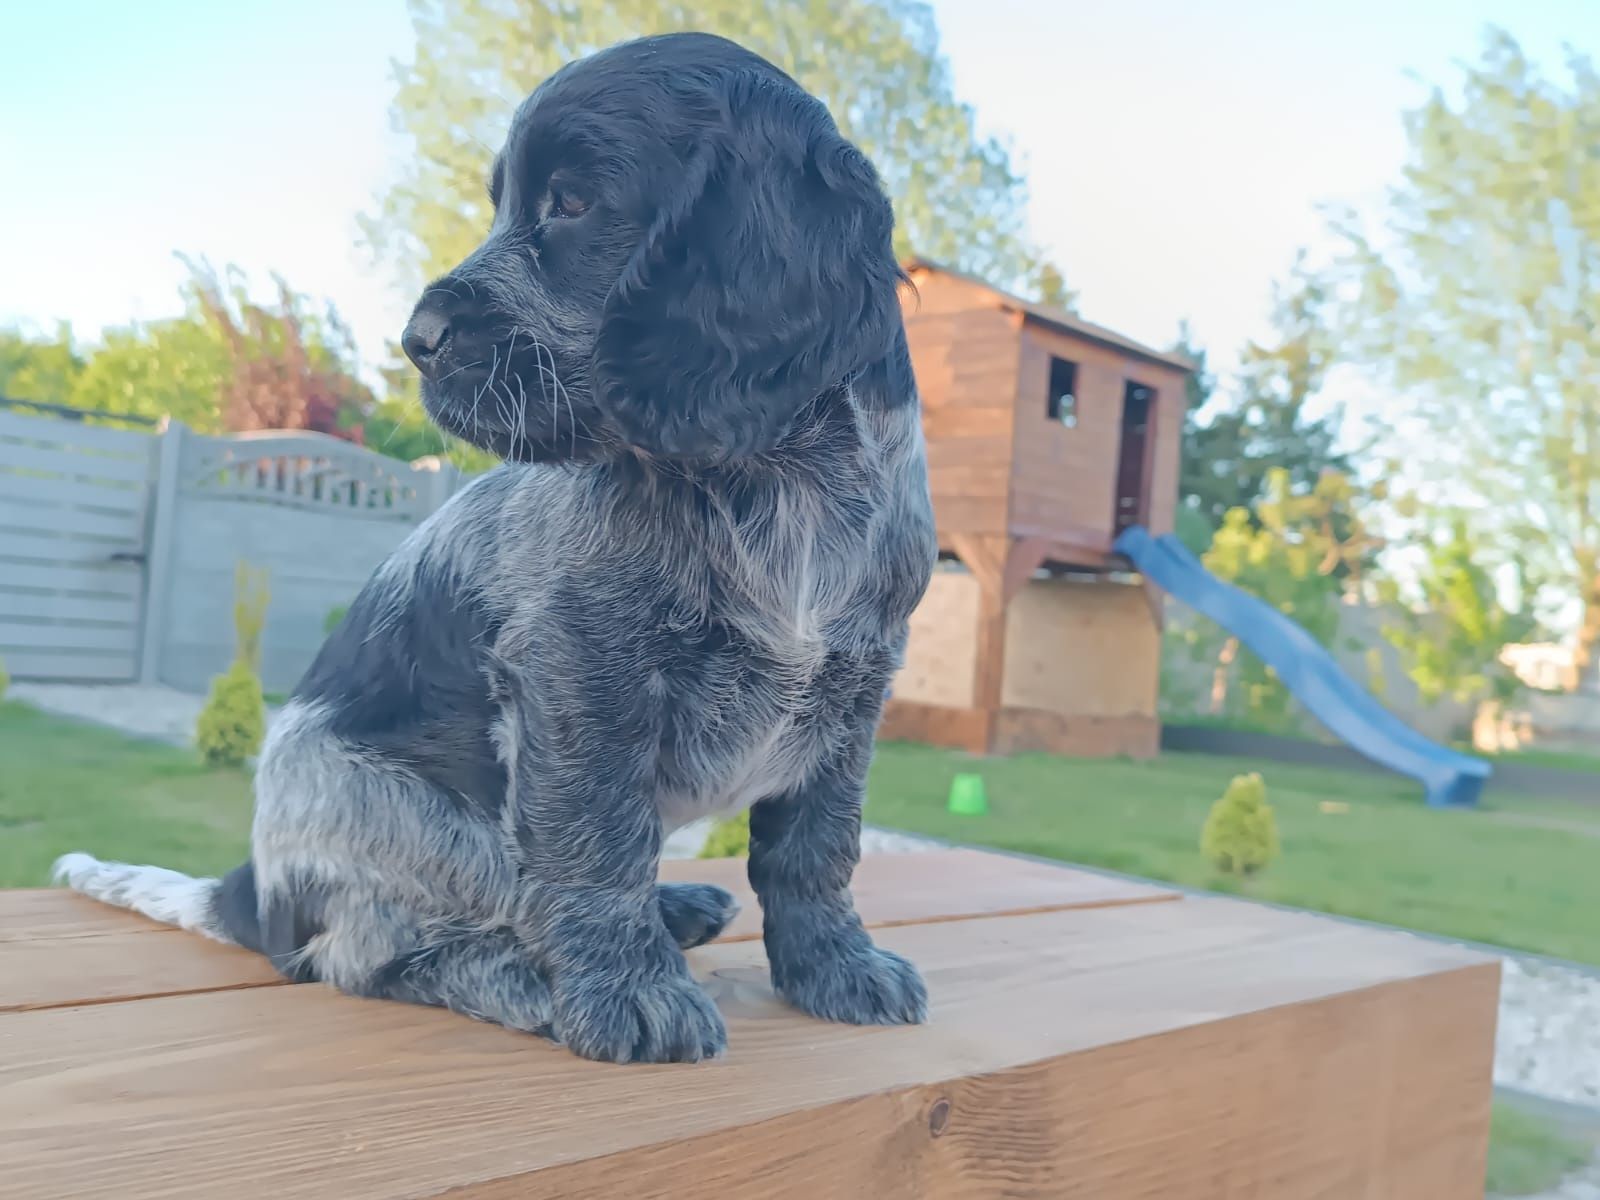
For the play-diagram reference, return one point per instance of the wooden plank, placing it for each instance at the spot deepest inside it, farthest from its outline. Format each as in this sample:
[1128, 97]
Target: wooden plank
[1036, 730]
[1202, 1049]
[936, 725]
[53, 914]
[56, 636]
[27, 461]
[72, 433]
[112, 579]
[88, 953]
[88, 666]
[1189, 1115]
[917, 889]
[112, 967]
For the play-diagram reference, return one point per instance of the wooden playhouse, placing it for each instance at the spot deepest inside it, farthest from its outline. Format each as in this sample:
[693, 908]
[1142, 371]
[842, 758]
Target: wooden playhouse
[1047, 436]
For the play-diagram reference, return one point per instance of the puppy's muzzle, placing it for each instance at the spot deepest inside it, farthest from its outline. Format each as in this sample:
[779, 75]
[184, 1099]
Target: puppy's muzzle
[426, 339]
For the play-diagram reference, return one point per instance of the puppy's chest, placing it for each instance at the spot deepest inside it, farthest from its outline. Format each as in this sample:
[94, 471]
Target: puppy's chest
[761, 719]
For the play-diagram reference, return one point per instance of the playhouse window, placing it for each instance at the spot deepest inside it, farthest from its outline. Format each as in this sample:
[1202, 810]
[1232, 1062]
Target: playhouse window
[1062, 405]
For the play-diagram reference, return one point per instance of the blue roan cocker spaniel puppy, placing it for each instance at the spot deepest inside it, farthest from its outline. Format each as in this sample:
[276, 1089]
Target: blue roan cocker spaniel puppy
[684, 593]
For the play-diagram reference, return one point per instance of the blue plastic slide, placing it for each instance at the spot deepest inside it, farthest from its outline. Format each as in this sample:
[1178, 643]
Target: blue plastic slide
[1308, 671]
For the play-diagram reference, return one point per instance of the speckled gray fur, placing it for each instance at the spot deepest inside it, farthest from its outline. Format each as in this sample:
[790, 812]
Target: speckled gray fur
[689, 598]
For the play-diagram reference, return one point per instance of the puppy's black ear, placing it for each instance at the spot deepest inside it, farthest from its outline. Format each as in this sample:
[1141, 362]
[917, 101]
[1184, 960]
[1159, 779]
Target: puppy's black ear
[766, 278]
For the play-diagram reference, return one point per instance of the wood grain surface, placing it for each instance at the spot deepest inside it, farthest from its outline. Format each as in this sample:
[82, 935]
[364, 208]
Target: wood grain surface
[1192, 1049]
[57, 948]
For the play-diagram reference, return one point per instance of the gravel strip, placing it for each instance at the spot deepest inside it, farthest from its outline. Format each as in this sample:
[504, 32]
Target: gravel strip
[1582, 1184]
[1549, 1039]
[148, 711]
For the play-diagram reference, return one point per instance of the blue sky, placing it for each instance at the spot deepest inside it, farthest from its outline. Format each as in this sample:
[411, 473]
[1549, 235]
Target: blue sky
[1177, 151]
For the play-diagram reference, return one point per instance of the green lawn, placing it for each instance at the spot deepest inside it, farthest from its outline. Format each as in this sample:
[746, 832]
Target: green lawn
[1559, 760]
[65, 786]
[1482, 876]
[1530, 1153]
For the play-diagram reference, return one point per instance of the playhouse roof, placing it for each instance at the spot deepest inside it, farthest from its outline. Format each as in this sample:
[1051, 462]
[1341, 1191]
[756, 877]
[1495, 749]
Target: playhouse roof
[1057, 318]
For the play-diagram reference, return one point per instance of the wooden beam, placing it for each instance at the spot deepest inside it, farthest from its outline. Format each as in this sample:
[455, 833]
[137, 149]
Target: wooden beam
[60, 949]
[1197, 1050]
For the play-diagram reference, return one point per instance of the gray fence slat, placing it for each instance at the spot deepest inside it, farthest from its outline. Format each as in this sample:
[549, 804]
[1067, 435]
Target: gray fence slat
[25, 491]
[113, 579]
[53, 520]
[58, 548]
[53, 431]
[84, 666]
[53, 636]
[315, 513]
[110, 610]
[19, 457]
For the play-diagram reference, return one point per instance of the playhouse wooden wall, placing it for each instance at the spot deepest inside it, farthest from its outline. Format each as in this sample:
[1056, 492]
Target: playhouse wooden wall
[1064, 480]
[1000, 657]
[997, 463]
[1080, 670]
[965, 355]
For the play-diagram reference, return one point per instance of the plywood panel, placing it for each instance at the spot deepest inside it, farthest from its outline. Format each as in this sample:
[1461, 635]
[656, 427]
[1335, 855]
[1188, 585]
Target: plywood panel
[1083, 648]
[1035, 730]
[962, 728]
[1201, 1049]
[941, 652]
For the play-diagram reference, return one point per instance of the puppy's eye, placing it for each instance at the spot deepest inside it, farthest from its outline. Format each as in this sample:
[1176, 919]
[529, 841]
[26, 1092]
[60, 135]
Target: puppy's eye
[564, 202]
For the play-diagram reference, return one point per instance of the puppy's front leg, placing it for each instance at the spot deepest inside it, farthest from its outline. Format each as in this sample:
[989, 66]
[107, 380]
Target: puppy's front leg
[803, 849]
[620, 987]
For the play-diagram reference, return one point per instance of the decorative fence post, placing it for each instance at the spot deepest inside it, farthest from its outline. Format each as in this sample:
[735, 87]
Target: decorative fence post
[437, 481]
[158, 558]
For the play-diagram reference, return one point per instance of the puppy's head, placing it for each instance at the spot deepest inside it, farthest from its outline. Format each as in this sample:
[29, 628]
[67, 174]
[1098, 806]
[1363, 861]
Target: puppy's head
[684, 252]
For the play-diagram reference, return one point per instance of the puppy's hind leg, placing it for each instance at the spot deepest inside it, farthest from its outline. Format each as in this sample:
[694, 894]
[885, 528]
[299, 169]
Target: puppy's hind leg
[484, 975]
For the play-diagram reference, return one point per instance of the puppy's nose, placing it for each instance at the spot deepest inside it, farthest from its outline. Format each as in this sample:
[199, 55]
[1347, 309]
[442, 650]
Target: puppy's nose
[425, 337]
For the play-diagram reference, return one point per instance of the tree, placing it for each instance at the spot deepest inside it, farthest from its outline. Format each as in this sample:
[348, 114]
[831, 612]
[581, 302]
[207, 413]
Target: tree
[287, 366]
[1450, 639]
[1049, 286]
[1193, 521]
[1477, 299]
[174, 367]
[1295, 550]
[39, 368]
[1229, 452]
[231, 363]
[876, 63]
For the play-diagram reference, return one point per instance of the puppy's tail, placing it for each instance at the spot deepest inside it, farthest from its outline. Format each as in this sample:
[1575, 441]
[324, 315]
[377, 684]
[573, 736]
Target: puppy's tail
[222, 909]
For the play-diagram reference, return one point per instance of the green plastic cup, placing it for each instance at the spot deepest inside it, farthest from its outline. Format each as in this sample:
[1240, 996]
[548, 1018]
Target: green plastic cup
[967, 797]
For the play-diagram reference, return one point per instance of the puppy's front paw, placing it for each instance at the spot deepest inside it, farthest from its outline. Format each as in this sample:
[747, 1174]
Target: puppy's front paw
[695, 913]
[658, 1017]
[857, 983]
